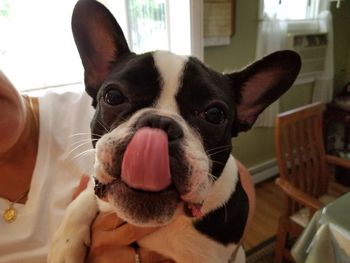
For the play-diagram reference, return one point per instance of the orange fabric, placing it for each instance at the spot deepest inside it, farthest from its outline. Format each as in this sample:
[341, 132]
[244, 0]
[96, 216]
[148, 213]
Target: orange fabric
[248, 186]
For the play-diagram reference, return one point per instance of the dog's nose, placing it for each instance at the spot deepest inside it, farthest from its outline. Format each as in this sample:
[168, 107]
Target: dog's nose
[170, 126]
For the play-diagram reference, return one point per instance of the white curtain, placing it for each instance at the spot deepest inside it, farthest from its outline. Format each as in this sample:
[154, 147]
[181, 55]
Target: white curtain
[274, 19]
[272, 32]
[323, 88]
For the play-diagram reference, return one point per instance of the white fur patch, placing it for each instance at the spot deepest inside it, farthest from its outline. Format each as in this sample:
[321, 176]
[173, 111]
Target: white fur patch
[170, 67]
[223, 187]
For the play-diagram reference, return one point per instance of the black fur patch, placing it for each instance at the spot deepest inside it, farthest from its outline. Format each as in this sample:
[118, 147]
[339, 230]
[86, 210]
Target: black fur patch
[202, 87]
[226, 224]
[137, 78]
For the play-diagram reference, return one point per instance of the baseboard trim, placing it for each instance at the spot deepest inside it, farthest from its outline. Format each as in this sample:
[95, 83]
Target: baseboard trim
[264, 171]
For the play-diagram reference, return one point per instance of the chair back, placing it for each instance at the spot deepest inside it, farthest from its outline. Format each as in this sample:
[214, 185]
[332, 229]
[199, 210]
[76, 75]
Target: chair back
[300, 151]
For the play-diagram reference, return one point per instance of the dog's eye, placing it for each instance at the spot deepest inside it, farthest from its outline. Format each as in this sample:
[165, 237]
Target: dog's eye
[214, 115]
[114, 97]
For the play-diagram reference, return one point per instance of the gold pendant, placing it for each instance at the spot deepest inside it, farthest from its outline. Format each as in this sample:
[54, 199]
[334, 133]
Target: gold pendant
[9, 214]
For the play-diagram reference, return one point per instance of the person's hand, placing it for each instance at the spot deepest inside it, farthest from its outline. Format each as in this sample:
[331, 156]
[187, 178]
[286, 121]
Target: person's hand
[13, 115]
[111, 241]
[84, 180]
[111, 238]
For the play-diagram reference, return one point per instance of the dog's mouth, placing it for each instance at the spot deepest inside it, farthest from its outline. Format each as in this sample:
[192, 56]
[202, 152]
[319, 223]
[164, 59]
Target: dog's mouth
[190, 209]
[145, 190]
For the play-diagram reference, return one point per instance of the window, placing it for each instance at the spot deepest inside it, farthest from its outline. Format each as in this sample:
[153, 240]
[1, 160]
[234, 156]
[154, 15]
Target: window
[148, 25]
[155, 24]
[145, 23]
[291, 9]
[37, 49]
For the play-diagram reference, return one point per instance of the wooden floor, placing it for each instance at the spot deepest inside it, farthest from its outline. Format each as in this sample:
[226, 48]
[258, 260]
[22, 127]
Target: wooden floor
[269, 202]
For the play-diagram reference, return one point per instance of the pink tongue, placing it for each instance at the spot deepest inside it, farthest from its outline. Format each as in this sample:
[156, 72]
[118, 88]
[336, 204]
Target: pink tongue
[146, 161]
[195, 210]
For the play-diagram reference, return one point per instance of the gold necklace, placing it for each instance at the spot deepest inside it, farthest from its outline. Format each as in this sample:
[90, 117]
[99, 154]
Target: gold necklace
[10, 213]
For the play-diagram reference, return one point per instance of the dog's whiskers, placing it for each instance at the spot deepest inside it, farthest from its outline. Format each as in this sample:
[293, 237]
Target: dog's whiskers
[84, 141]
[217, 152]
[123, 119]
[218, 148]
[104, 126]
[198, 158]
[84, 134]
[212, 177]
[83, 153]
[225, 206]
[77, 147]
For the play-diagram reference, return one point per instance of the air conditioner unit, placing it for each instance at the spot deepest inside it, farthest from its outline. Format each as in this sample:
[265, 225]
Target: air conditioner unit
[312, 48]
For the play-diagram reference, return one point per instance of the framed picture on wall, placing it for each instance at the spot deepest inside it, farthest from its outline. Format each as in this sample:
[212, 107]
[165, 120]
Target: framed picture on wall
[219, 22]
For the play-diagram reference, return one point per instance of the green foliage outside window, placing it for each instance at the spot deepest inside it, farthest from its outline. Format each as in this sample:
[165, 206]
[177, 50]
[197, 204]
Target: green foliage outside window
[4, 8]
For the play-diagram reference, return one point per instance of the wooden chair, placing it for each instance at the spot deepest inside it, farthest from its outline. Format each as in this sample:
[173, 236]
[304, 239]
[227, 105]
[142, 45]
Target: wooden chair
[304, 176]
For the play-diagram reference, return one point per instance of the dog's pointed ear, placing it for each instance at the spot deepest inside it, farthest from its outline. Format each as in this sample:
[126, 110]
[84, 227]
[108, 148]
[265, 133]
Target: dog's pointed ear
[100, 42]
[260, 84]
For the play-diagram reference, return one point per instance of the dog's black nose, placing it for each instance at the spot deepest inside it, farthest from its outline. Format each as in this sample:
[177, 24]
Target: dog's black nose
[170, 126]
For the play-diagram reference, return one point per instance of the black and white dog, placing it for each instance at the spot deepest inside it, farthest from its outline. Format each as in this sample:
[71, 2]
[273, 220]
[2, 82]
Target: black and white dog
[165, 157]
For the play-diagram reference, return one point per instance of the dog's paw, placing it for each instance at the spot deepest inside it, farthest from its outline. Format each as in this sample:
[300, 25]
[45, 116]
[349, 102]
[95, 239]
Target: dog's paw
[69, 245]
[70, 242]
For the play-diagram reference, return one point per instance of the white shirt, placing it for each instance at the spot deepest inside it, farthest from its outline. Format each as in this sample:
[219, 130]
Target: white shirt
[64, 136]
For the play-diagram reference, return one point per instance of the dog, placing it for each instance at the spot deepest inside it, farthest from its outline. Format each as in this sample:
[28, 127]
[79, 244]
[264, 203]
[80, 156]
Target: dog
[162, 132]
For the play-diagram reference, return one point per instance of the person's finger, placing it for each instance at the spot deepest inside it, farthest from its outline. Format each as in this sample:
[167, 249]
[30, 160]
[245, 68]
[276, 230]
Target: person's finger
[123, 254]
[127, 233]
[148, 256]
[84, 180]
[123, 235]
[102, 232]
[106, 222]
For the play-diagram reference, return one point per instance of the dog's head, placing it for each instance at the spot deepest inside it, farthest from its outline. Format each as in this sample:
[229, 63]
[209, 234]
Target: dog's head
[163, 122]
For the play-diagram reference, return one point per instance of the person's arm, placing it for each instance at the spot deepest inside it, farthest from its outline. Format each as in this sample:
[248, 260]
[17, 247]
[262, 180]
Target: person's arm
[18, 142]
[13, 115]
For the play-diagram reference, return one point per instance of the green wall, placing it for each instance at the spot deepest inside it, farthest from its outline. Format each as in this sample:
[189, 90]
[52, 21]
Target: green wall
[256, 146]
[341, 25]
[241, 51]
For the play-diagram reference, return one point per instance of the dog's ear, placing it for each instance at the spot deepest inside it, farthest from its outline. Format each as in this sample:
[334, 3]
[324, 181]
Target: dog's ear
[260, 84]
[100, 42]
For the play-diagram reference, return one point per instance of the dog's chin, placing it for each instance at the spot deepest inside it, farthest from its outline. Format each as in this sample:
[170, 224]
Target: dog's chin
[143, 208]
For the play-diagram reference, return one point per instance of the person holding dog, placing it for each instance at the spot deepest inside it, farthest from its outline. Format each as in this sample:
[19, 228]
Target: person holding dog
[38, 176]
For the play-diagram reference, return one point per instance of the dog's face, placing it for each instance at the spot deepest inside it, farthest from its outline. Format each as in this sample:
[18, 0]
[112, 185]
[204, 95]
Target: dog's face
[164, 123]
[161, 106]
